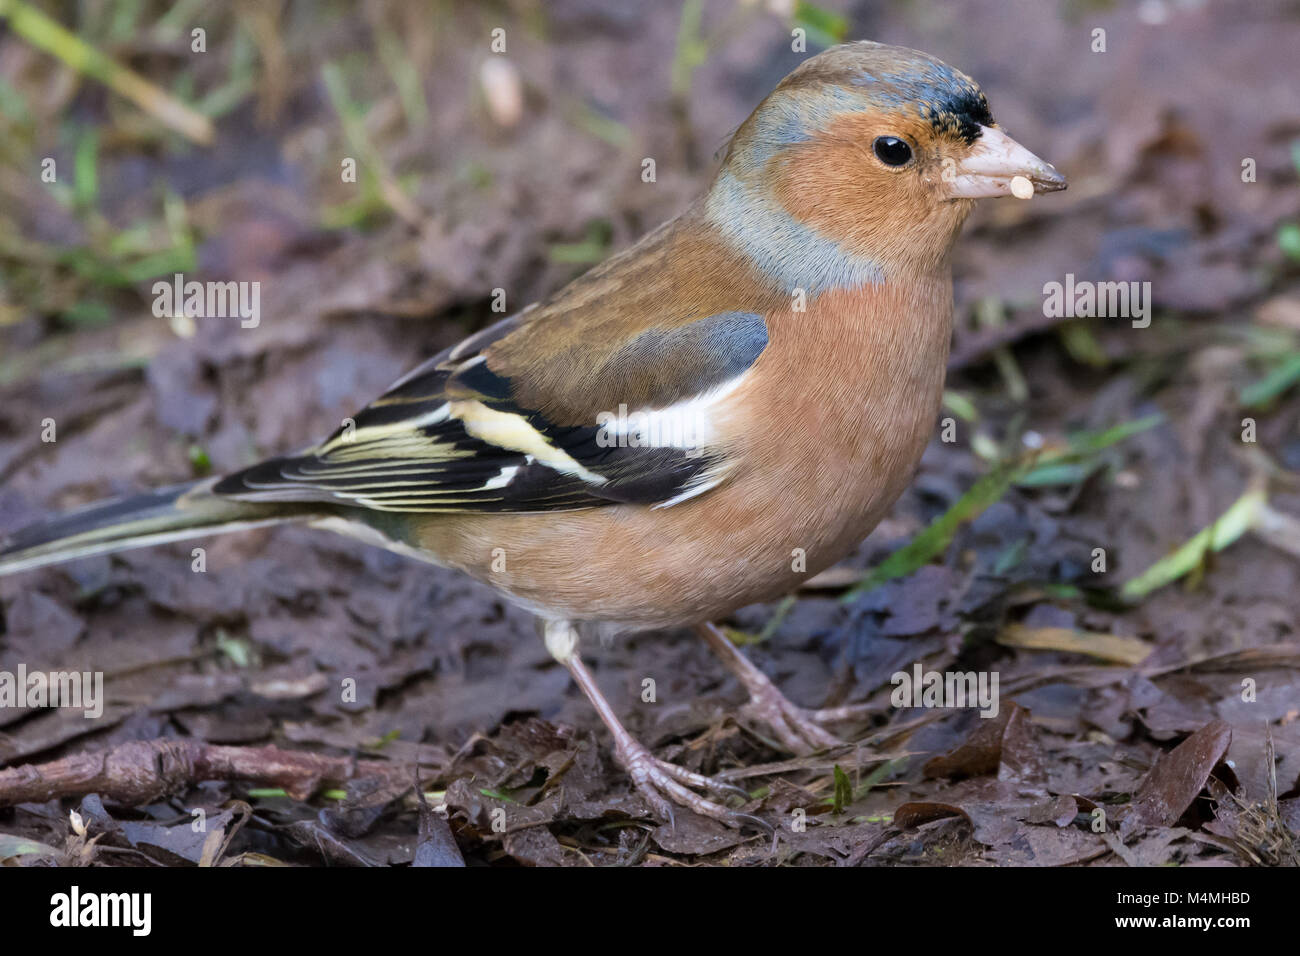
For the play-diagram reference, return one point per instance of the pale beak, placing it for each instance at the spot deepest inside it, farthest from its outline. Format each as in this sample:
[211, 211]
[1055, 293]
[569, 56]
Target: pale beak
[993, 161]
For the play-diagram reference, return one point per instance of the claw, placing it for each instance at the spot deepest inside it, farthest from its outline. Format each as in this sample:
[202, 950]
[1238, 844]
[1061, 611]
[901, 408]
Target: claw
[699, 780]
[795, 728]
[757, 822]
[662, 785]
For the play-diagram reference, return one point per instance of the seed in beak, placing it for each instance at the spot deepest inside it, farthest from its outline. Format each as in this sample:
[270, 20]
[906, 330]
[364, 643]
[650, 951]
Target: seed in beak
[1021, 187]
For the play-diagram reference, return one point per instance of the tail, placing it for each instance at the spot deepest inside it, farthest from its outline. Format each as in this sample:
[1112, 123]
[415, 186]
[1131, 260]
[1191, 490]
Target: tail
[168, 514]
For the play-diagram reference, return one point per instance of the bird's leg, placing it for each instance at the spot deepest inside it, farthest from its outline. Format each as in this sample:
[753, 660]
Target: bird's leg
[660, 782]
[796, 728]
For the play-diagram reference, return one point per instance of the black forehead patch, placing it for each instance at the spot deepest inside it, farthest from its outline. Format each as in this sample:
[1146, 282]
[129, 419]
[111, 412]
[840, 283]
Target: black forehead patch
[948, 99]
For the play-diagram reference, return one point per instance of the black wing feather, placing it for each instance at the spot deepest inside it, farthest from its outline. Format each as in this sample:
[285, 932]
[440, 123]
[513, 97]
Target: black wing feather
[408, 452]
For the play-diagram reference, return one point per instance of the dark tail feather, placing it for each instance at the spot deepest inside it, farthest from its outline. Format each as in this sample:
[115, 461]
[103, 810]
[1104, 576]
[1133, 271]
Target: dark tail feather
[168, 514]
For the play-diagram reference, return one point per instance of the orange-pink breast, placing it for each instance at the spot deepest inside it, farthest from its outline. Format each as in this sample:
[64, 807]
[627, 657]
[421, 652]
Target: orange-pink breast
[826, 428]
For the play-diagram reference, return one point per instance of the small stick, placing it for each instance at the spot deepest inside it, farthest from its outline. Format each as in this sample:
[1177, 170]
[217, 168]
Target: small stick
[144, 770]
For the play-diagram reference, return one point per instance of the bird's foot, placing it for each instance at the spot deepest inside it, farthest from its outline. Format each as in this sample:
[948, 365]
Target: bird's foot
[661, 783]
[664, 784]
[795, 728]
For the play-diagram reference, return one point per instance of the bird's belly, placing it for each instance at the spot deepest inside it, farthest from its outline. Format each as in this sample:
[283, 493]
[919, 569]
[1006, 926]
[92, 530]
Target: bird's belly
[755, 538]
[826, 436]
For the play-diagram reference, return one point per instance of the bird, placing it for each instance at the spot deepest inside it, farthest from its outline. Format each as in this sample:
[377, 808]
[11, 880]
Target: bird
[699, 423]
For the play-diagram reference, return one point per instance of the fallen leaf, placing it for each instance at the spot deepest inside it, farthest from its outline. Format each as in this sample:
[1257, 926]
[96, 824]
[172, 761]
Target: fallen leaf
[1178, 777]
[1107, 647]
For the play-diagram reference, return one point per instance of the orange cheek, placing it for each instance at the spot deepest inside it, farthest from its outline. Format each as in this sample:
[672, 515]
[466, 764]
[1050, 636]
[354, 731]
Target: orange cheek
[835, 189]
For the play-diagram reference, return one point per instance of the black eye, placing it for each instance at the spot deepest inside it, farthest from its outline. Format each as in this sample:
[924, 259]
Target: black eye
[891, 150]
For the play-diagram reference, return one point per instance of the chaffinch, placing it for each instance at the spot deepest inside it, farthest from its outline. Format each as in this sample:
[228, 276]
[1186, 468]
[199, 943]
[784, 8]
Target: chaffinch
[699, 423]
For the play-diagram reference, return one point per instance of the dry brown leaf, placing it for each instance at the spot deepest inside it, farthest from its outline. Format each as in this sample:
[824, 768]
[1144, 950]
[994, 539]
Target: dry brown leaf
[1107, 647]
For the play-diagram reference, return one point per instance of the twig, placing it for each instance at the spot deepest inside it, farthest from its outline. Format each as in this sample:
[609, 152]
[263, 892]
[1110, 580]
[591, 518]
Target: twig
[144, 770]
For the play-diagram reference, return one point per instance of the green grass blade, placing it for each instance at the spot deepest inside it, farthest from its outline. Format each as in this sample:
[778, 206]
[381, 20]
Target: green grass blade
[1230, 526]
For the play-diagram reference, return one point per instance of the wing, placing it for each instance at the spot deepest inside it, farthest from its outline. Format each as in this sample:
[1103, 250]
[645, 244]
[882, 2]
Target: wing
[477, 429]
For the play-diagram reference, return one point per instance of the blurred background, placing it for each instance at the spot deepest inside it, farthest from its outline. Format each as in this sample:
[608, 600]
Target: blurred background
[133, 147]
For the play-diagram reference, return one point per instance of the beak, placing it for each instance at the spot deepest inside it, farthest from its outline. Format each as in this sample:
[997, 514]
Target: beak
[993, 161]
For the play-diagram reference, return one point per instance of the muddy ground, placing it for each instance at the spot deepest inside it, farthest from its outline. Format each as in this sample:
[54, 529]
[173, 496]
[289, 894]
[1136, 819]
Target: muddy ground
[1139, 724]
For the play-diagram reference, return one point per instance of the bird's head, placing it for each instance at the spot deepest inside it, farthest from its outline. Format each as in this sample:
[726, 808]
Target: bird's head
[862, 165]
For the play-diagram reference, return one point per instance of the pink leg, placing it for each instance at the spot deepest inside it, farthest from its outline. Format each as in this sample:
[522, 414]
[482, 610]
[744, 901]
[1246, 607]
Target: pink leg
[796, 728]
[660, 782]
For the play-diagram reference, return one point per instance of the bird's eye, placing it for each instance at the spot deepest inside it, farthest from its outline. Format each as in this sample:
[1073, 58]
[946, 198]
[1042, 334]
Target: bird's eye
[891, 150]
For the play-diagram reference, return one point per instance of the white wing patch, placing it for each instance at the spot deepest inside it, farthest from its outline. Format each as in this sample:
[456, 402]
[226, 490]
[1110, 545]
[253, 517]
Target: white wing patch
[691, 424]
[424, 463]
